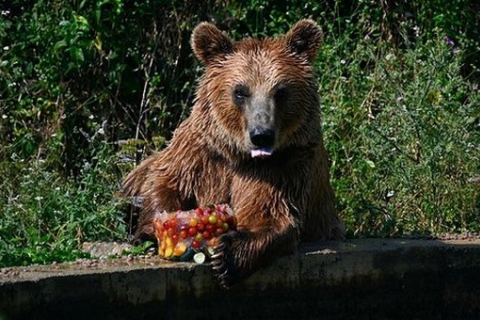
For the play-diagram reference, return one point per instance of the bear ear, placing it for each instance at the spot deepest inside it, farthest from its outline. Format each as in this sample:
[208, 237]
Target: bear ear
[209, 43]
[304, 39]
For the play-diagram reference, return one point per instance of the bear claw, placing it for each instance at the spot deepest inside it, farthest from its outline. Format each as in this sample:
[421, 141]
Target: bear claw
[223, 263]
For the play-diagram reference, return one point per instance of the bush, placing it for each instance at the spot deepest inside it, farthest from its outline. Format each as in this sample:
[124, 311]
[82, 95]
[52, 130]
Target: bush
[45, 217]
[403, 138]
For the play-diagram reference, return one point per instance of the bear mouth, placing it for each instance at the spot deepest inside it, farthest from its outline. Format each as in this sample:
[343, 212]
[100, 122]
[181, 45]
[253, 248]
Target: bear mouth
[262, 153]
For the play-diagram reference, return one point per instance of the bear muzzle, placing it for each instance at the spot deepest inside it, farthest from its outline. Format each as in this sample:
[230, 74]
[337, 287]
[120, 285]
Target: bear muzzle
[263, 141]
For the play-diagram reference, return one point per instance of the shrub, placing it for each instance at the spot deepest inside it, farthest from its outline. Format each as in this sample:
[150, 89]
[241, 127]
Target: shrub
[45, 217]
[403, 138]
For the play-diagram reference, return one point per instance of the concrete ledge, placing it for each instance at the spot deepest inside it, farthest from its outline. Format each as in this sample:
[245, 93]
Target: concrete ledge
[357, 279]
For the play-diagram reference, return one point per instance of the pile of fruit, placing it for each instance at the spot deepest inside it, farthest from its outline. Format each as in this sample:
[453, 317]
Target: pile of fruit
[184, 235]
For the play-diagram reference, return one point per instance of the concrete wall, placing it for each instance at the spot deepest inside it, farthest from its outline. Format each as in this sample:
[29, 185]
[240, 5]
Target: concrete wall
[358, 279]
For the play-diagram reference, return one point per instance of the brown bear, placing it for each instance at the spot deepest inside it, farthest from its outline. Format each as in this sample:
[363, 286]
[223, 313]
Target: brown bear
[254, 141]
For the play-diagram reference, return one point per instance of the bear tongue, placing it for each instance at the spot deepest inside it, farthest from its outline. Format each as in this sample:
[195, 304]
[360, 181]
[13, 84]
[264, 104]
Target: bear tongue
[261, 152]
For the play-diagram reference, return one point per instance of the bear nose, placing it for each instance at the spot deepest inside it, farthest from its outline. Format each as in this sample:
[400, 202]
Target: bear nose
[262, 137]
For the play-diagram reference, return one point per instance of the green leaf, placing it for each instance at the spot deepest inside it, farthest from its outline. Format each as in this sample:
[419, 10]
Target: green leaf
[370, 163]
[77, 54]
[97, 42]
[60, 44]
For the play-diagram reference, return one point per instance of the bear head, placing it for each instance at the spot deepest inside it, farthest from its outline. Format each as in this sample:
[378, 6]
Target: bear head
[259, 96]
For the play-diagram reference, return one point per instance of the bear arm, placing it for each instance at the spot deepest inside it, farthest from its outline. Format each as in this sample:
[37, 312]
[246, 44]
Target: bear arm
[133, 183]
[321, 219]
[143, 187]
[155, 187]
[238, 254]
[165, 182]
[266, 229]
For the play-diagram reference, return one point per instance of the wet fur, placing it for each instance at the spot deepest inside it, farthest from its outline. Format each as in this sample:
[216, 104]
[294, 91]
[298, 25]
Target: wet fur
[279, 200]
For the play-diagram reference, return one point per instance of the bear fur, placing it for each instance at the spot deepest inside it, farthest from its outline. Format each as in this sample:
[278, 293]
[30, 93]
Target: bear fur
[254, 141]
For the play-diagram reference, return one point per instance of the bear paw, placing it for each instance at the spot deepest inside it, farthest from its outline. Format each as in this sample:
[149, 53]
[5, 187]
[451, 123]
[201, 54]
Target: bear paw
[223, 260]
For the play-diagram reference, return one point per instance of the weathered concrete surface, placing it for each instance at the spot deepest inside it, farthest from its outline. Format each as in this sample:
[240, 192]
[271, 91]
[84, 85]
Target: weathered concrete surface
[358, 279]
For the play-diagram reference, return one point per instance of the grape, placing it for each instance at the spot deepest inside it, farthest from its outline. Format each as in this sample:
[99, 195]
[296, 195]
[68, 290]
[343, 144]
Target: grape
[199, 211]
[204, 220]
[200, 227]
[193, 222]
[198, 237]
[192, 231]
[206, 235]
[210, 228]
[196, 244]
[212, 219]
[213, 242]
[218, 232]
[166, 224]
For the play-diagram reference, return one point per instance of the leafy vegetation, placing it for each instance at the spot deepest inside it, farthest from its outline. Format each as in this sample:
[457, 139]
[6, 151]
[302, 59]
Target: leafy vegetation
[403, 152]
[87, 88]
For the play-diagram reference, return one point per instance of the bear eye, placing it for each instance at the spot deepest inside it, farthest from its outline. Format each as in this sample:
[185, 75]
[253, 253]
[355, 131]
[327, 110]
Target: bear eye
[281, 93]
[240, 93]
